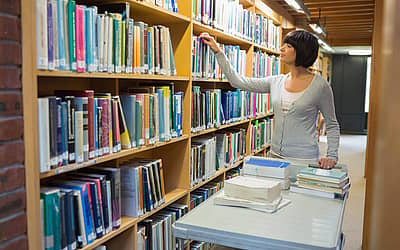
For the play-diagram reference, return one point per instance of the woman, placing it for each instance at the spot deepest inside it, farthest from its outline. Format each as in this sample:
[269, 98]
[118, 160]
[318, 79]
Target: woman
[296, 99]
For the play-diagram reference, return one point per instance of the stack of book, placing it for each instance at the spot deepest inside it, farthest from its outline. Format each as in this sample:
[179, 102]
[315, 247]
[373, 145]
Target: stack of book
[142, 186]
[231, 147]
[171, 5]
[202, 159]
[77, 126]
[204, 63]
[251, 192]
[214, 107]
[102, 38]
[267, 34]
[332, 183]
[156, 231]
[196, 245]
[201, 194]
[260, 133]
[265, 65]
[226, 15]
[80, 207]
[267, 168]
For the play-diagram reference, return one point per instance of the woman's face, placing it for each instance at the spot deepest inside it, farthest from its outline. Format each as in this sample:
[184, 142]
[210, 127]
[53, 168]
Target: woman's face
[288, 54]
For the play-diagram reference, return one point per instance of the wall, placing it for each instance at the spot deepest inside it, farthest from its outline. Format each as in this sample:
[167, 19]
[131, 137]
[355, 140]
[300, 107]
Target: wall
[382, 203]
[12, 170]
[348, 85]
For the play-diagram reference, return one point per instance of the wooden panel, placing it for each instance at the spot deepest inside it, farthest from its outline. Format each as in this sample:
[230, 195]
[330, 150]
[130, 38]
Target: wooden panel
[381, 217]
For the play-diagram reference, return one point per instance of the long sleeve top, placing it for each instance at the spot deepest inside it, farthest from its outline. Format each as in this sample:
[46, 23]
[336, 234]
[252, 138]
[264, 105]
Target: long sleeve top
[295, 132]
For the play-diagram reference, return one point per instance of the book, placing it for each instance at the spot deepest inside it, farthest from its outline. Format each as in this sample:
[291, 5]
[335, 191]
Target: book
[252, 189]
[271, 207]
[261, 166]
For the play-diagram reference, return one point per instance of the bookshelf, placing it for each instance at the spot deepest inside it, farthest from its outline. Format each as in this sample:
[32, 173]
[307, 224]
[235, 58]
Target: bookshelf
[175, 153]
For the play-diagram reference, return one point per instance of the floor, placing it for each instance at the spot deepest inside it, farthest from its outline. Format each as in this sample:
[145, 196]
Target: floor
[352, 153]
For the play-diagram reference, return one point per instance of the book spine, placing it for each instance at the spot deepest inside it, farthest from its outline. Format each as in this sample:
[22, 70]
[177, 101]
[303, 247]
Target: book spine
[41, 35]
[80, 33]
[50, 36]
[44, 134]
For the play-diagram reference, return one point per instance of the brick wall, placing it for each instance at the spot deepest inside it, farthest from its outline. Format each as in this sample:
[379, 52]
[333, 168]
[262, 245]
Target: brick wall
[12, 170]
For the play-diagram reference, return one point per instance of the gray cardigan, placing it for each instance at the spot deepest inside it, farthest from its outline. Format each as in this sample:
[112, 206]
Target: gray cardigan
[295, 132]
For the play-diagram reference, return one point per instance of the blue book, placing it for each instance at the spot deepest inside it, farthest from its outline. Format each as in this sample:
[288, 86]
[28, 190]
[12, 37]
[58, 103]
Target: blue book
[267, 163]
[178, 99]
[50, 35]
[64, 123]
[61, 35]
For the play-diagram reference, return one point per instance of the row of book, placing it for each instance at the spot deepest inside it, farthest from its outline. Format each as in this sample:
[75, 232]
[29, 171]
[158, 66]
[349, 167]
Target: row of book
[231, 173]
[76, 126]
[156, 231]
[231, 147]
[80, 207]
[205, 65]
[214, 107]
[226, 15]
[171, 5]
[201, 194]
[102, 38]
[203, 163]
[260, 133]
[267, 34]
[265, 65]
[142, 186]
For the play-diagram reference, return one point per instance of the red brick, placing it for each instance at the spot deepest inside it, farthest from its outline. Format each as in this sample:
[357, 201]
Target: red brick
[12, 7]
[21, 243]
[11, 128]
[12, 153]
[12, 178]
[10, 53]
[13, 227]
[12, 203]
[10, 103]
[10, 28]
[10, 78]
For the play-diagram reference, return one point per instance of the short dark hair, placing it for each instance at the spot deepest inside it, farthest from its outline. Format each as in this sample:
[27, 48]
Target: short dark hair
[306, 46]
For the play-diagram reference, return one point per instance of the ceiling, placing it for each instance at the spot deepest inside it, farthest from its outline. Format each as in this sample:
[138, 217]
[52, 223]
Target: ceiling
[348, 22]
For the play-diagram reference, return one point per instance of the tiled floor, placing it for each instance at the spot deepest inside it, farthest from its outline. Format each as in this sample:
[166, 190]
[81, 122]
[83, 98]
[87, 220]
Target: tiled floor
[352, 153]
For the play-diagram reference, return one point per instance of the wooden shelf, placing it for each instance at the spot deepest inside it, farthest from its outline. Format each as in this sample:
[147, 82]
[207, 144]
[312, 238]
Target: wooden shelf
[126, 223]
[262, 116]
[207, 131]
[261, 149]
[210, 80]
[267, 12]
[222, 37]
[217, 173]
[246, 3]
[69, 74]
[265, 49]
[170, 198]
[123, 153]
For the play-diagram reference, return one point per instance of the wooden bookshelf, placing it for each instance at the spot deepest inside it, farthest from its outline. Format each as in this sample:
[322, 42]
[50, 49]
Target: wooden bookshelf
[175, 154]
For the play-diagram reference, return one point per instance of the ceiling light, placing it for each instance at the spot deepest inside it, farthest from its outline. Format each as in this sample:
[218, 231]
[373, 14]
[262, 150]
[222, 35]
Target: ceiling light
[325, 46]
[299, 6]
[315, 27]
[356, 52]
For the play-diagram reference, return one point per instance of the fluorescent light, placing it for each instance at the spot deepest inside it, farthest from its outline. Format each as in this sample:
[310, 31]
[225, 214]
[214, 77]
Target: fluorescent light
[294, 4]
[325, 46]
[358, 52]
[316, 28]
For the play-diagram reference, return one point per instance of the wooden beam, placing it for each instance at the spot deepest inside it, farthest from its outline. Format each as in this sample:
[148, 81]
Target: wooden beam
[341, 6]
[319, 2]
[347, 11]
[349, 15]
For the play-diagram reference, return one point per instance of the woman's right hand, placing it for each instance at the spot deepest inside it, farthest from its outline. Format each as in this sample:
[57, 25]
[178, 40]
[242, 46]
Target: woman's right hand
[210, 41]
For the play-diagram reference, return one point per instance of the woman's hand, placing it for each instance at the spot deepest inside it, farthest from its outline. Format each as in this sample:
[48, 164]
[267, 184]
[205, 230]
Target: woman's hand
[326, 163]
[210, 41]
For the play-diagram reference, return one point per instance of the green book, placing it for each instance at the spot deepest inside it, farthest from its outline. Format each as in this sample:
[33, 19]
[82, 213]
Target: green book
[117, 42]
[72, 35]
[324, 173]
[123, 45]
[52, 228]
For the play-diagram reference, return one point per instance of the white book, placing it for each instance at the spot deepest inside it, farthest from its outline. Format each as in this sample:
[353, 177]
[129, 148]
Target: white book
[79, 136]
[55, 34]
[271, 207]
[44, 134]
[252, 189]
[110, 44]
[41, 34]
